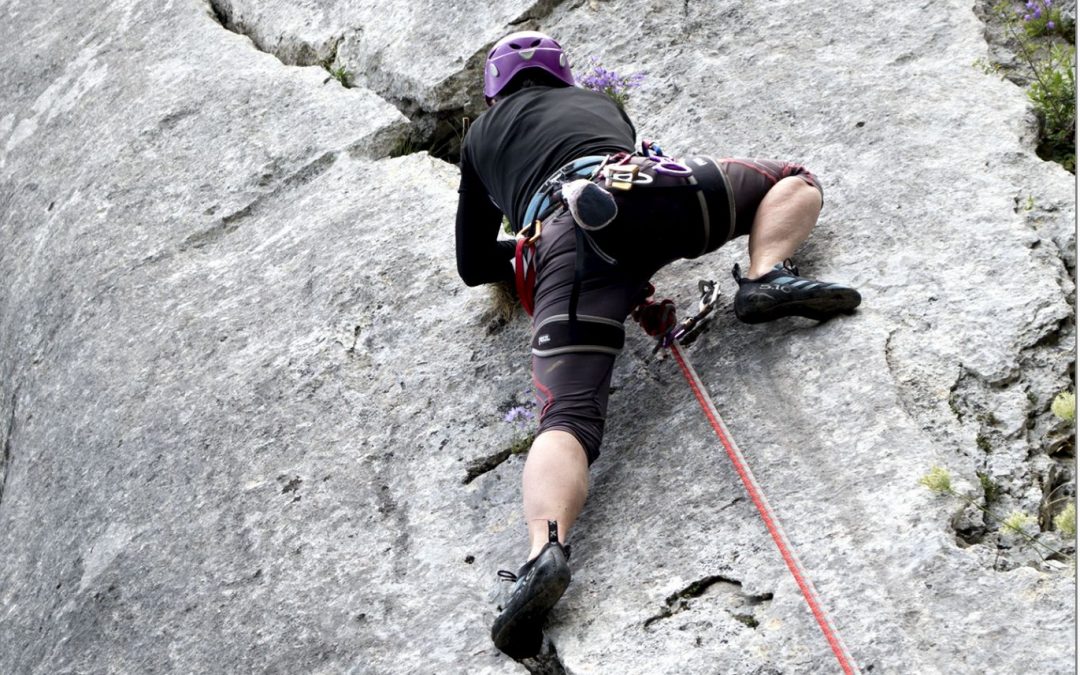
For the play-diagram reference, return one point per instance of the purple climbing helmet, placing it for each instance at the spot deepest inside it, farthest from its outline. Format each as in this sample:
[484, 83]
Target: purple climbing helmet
[518, 51]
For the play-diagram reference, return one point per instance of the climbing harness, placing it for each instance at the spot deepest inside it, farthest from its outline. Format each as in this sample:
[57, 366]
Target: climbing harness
[543, 205]
[620, 171]
[525, 264]
[677, 336]
[546, 200]
[663, 163]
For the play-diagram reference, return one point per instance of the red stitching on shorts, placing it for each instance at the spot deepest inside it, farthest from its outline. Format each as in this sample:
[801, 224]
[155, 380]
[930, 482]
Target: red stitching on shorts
[546, 392]
[800, 171]
[752, 167]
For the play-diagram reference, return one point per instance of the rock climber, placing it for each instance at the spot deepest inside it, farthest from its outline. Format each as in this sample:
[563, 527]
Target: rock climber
[597, 215]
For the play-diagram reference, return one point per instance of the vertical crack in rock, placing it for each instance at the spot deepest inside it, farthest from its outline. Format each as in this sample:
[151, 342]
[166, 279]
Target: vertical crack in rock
[680, 600]
[1030, 468]
[5, 458]
[437, 132]
[220, 14]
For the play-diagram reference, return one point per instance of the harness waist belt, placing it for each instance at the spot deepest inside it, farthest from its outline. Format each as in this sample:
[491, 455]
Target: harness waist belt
[544, 202]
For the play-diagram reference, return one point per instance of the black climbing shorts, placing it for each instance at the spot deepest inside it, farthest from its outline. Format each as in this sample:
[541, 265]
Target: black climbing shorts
[662, 218]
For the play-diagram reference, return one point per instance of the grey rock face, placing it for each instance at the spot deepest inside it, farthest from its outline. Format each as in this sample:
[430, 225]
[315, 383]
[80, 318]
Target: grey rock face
[1068, 10]
[251, 420]
[430, 75]
[366, 38]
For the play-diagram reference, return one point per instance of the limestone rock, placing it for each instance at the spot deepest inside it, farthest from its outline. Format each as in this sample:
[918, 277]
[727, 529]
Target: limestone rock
[251, 420]
[435, 67]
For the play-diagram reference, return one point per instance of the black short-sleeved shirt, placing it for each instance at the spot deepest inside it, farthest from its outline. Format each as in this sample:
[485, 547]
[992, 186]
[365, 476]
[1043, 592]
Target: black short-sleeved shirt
[511, 150]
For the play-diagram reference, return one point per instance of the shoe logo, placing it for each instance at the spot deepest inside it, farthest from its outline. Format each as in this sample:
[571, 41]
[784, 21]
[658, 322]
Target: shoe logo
[544, 339]
[522, 582]
[775, 287]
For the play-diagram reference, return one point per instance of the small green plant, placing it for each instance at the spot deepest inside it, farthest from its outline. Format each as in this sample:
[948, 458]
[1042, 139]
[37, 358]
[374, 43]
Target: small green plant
[448, 137]
[991, 490]
[340, 74]
[406, 145]
[1052, 66]
[987, 67]
[747, 619]
[1016, 522]
[938, 481]
[1054, 96]
[1040, 17]
[522, 444]
[1064, 406]
[1065, 522]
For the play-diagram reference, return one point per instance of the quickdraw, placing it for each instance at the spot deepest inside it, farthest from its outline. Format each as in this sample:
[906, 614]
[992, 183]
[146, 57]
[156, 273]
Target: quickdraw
[674, 338]
[689, 330]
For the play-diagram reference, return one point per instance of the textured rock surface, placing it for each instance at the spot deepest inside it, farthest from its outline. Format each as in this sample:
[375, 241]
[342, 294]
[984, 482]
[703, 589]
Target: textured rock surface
[424, 51]
[431, 74]
[242, 388]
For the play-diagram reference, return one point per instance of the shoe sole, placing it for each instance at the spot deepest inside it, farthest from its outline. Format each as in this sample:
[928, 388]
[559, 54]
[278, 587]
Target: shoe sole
[508, 633]
[762, 308]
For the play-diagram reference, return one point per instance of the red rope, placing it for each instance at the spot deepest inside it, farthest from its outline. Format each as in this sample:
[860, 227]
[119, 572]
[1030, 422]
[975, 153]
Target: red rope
[771, 523]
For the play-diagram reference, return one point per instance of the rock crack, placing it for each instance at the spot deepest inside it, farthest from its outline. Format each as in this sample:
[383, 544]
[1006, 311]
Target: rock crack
[5, 459]
[680, 600]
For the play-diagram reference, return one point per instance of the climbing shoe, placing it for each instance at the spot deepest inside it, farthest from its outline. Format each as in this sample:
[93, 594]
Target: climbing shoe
[538, 585]
[782, 292]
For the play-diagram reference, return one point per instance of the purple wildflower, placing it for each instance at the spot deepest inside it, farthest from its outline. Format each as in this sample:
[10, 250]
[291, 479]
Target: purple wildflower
[1038, 12]
[1050, 25]
[519, 414]
[611, 83]
[1030, 4]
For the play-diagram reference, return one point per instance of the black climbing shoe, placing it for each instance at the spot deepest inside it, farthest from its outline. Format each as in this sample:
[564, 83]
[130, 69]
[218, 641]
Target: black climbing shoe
[538, 585]
[782, 292]
[592, 206]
